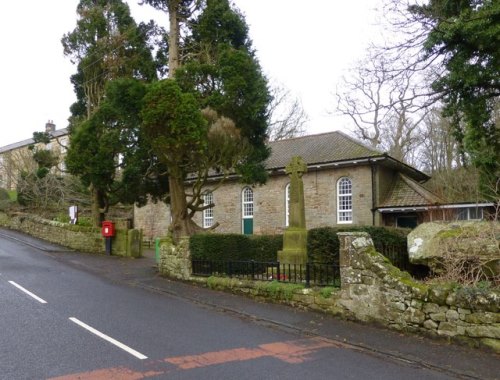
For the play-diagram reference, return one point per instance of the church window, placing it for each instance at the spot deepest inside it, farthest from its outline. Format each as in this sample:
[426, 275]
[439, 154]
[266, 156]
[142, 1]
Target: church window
[344, 200]
[208, 213]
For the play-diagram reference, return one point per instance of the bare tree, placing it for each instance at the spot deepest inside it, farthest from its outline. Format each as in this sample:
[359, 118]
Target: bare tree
[385, 106]
[440, 150]
[286, 114]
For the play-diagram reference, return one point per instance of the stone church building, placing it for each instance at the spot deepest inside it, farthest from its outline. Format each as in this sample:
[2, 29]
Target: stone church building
[347, 183]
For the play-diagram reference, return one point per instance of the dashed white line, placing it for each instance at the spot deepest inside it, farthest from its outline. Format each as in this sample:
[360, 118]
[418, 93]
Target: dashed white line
[109, 339]
[28, 292]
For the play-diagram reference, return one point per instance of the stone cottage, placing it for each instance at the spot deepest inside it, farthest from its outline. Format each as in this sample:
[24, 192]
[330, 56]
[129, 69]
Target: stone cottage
[347, 183]
[16, 157]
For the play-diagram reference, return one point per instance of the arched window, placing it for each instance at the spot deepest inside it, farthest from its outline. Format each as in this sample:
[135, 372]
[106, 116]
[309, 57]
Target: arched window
[208, 213]
[247, 211]
[287, 205]
[344, 200]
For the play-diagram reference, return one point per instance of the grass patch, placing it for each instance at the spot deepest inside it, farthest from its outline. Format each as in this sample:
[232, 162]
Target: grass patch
[12, 195]
[326, 292]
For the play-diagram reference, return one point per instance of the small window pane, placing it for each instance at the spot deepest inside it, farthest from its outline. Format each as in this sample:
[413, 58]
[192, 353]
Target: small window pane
[475, 213]
[462, 214]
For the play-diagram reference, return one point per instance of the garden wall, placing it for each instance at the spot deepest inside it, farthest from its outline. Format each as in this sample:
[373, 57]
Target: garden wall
[79, 238]
[372, 290]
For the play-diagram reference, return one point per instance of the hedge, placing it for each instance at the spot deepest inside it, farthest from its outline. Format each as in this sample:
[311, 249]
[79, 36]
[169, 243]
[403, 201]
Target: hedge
[323, 243]
[235, 247]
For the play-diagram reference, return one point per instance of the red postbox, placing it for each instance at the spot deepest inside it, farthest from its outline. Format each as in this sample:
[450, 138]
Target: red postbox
[108, 229]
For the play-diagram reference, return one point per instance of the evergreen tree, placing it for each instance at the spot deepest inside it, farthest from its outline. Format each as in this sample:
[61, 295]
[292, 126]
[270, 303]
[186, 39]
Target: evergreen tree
[106, 45]
[210, 115]
[465, 35]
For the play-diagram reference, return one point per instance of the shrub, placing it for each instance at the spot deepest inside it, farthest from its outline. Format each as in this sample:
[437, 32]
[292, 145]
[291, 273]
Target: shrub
[62, 218]
[323, 243]
[85, 221]
[4, 199]
[235, 247]
[4, 194]
[13, 195]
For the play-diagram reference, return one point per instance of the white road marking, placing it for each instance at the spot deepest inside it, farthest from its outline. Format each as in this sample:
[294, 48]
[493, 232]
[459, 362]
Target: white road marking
[28, 292]
[109, 339]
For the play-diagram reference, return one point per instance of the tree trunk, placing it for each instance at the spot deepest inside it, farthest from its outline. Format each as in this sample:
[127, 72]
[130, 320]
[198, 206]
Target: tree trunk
[182, 225]
[97, 214]
[173, 37]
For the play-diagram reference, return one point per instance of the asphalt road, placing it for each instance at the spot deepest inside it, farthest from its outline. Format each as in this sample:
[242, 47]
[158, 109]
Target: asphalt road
[58, 320]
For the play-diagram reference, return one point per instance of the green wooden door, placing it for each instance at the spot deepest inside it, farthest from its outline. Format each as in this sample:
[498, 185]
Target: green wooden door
[248, 226]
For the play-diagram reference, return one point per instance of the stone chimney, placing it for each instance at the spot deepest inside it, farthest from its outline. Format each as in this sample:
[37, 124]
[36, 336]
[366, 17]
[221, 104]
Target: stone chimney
[50, 126]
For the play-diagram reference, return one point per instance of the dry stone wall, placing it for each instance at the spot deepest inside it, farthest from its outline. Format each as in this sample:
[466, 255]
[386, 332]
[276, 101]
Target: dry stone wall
[175, 259]
[372, 290]
[127, 242]
[85, 239]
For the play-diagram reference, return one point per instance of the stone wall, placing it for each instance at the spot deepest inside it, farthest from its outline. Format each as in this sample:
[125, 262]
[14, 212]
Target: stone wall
[372, 290]
[175, 260]
[320, 196]
[127, 242]
[320, 188]
[153, 219]
[85, 239]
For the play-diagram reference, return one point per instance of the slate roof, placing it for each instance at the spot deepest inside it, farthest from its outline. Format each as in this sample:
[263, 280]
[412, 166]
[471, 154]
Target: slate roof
[57, 133]
[407, 193]
[317, 149]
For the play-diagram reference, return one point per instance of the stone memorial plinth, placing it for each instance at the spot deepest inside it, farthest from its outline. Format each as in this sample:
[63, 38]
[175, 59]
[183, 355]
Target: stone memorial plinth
[295, 236]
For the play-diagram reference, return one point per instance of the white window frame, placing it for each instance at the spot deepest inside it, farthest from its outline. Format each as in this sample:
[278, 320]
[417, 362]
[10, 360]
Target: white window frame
[287, 205]
[247, 206]
[208, 213]
[467, 211]
[344, 199]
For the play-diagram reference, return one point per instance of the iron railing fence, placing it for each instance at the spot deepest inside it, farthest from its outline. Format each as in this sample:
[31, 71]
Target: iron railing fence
[397, 254]
[317, 274]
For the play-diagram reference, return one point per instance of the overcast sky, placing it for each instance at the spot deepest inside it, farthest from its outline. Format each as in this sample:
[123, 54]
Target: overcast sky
[306, 46]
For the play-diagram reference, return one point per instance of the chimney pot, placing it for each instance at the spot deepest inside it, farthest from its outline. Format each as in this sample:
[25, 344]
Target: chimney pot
[50, 126]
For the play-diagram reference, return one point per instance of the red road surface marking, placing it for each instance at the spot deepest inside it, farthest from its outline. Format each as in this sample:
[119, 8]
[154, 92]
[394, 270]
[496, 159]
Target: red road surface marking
[292, 352]
[118, 373]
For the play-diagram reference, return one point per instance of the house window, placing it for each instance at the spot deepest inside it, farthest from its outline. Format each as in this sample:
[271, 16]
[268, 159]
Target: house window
[208, 213]
[470, 213]
[344, 200]
[287, 205]
[247, 211]
[64, 145]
